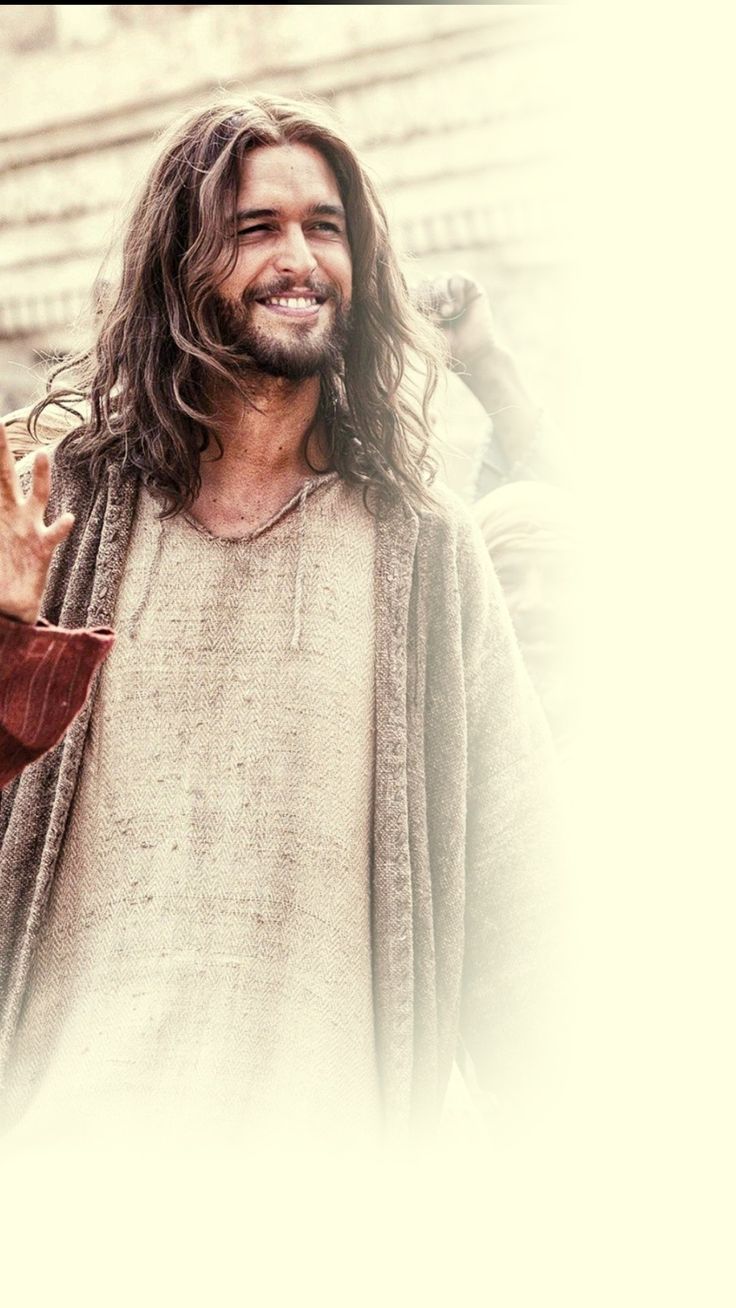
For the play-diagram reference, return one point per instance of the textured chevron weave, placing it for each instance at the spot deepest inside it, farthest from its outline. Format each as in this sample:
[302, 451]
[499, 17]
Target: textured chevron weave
[208, 938]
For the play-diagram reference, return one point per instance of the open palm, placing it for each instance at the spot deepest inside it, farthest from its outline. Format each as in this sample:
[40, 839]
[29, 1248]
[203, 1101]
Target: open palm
[26, 543]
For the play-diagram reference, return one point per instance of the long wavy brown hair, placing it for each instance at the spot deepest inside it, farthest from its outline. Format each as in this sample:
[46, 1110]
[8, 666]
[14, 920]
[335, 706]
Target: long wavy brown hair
[159, 353]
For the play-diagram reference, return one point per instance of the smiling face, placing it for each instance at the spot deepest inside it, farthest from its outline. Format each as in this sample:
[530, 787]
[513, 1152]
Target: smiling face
[286, 303]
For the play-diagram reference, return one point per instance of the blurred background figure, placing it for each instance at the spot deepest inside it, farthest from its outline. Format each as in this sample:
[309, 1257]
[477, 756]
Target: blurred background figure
[502, 435]
[529, 532]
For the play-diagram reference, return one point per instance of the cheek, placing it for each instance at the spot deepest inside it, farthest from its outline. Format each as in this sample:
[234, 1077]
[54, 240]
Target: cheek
[230, 287]
[247, 270]
[339, 269]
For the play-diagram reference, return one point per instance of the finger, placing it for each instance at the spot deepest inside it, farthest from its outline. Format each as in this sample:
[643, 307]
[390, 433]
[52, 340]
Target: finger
[9, 483]
[465, 288]
[451, 308]
[41, 482]
[450, 295]
[442, 293]
[59, 530]
[458, 285]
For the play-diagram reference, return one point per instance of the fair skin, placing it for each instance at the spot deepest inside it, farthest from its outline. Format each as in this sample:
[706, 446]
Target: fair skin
[299, 243]
[291, 234]
[26, 543]
[460, 306]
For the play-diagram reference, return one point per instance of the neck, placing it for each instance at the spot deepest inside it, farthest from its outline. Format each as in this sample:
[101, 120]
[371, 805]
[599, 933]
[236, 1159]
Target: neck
[265, 445]
[264, 441]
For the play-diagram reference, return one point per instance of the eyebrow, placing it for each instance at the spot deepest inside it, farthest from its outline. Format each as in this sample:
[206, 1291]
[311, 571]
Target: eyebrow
[315, 210]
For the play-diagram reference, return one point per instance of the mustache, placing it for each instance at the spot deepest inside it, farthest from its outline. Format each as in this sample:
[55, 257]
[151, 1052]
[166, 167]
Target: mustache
[283, 285]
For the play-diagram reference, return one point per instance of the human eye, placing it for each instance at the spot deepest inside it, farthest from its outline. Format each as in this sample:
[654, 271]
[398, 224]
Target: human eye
[324, 226]
[253, 229]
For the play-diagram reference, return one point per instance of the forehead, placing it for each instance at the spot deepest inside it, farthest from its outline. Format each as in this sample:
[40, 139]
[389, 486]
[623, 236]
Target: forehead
[275, 176]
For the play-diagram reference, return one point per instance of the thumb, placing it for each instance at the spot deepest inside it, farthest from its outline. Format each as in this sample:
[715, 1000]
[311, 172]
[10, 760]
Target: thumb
[464, 289]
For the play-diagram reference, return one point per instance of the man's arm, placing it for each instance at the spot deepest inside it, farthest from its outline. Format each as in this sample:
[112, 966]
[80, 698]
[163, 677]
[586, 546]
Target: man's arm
[45, 672]
[45, 676]
[521, 443]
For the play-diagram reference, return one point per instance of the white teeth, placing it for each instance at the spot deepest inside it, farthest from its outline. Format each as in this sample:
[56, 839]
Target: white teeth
[292, 302]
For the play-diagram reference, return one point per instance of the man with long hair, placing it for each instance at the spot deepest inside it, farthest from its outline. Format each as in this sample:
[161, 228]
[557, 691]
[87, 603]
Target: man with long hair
[294, 850]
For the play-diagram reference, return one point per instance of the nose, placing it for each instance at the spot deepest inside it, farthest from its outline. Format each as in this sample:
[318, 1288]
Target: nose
[294, 257]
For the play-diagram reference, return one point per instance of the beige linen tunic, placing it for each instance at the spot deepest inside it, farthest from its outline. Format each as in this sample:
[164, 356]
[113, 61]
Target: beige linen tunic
[208, 943]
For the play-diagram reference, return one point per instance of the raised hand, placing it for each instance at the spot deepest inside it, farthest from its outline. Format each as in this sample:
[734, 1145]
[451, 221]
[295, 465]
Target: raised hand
[460, 306]
[26, 543]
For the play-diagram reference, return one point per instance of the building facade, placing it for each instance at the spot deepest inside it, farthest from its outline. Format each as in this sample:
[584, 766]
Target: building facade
[459, 110]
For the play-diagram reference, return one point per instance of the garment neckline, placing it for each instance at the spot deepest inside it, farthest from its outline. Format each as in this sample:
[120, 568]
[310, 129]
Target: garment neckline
[307, 488]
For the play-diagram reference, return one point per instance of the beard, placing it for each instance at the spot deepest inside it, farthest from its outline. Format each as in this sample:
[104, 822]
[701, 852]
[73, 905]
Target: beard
[295, 352]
